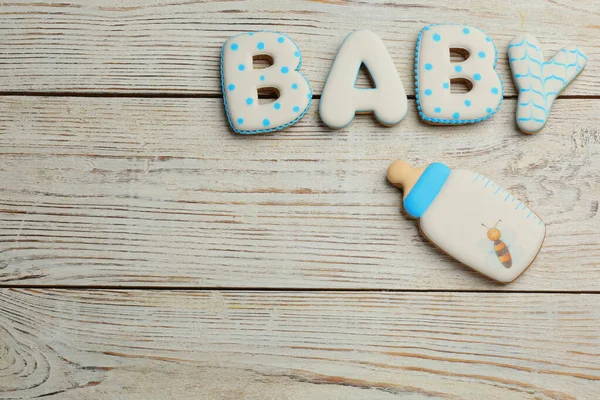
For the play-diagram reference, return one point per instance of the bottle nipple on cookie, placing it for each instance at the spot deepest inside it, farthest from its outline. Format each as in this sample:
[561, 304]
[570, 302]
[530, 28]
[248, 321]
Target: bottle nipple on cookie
[402, 175]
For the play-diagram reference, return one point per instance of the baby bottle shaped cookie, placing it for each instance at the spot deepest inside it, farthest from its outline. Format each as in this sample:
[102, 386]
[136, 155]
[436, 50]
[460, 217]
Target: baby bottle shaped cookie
[471, 218]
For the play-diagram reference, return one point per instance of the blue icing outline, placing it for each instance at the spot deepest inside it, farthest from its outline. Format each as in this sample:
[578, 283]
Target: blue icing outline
[372, 112]
[454, 121]
[276, 128]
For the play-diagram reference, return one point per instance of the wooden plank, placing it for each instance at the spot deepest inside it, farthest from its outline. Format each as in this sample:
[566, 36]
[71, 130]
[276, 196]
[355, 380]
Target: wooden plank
[291, 345]
[146, 46]
[158, 192]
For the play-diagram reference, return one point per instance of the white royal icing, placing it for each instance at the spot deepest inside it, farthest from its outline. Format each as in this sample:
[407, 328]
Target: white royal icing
[434, 70]
[240, 82]
[540, 82]
[341, 100]
[453, 221]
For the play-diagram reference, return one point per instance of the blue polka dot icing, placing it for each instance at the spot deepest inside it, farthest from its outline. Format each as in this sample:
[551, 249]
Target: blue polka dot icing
[488, 110]
[495, 90]
[428, 92]
[240, 83]
[434, 69]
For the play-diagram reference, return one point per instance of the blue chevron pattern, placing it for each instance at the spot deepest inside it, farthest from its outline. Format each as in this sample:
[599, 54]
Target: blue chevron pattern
[539, 82]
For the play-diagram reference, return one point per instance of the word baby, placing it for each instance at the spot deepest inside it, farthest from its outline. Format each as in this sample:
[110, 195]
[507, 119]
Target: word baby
[539, 82]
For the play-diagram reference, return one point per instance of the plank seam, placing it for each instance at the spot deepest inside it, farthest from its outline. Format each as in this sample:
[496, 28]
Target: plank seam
[285, 289]
[167, 95]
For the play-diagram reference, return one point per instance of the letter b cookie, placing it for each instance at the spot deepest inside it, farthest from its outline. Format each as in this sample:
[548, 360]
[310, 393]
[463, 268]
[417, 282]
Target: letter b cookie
[241, 82]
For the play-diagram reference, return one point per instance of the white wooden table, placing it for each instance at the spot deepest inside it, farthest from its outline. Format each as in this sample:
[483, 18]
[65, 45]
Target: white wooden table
[146, 251]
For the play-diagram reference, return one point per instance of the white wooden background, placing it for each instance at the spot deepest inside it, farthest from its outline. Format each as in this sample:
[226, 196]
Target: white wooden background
[146, 251]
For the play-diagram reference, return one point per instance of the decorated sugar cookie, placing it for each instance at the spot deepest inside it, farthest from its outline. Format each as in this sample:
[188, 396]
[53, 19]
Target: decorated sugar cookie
[435, 73]
[471, 218]
[540, 82]
[341, 100]
[241, 82]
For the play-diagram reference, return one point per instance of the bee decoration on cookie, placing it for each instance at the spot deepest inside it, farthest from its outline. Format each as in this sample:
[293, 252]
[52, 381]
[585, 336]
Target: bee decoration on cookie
[500, 247]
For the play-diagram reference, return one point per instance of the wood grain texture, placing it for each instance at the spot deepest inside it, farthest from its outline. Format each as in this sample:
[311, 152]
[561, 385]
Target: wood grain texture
[274, 345]
[150, 46]
[159, 192]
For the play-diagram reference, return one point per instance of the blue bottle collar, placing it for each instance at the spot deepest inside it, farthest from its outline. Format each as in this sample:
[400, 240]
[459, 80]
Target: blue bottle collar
[426, 189]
